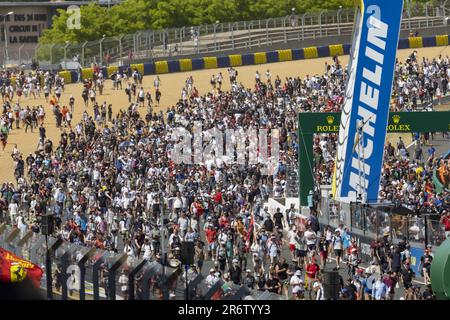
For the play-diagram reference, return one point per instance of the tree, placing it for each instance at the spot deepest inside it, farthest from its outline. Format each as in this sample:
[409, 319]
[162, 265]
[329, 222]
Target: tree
[133, 15]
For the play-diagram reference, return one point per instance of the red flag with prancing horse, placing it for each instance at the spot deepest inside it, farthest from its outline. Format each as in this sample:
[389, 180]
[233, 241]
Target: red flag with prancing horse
[15, 269]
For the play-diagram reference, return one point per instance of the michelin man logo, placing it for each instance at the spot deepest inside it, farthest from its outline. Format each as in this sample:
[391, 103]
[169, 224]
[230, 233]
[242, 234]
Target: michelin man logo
[74, 17]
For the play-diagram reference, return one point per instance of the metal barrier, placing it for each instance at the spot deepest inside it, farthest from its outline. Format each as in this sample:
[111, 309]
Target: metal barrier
[374, 222]
[86, 273]
[217, 37]
[367, 223]
[78, 272]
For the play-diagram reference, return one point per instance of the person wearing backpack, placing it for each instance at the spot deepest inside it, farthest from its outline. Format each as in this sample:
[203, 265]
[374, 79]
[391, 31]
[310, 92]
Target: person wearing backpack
[268, 224]
[313, 221]
[338, 247]
[291, 215]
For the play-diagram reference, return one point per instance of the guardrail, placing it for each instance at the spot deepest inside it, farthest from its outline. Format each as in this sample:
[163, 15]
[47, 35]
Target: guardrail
[219, 37]
[235, 60]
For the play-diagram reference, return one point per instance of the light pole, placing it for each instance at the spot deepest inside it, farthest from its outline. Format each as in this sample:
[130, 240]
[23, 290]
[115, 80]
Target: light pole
[6, 37]
[215, 36]
[293, 20]
[339, 20]
[101, 49]
[65, 53]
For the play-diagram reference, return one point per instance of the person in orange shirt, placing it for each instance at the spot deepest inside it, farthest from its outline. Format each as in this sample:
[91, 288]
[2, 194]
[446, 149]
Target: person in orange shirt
[64, 111]
[444, 173]
[53, 101]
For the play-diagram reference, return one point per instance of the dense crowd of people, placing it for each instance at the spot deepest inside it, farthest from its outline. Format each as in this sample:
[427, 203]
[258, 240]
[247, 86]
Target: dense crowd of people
[110, 181]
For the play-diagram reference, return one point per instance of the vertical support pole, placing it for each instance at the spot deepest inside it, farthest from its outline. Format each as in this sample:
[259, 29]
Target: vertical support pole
[306, 177]
[64, 276]
[83, 52]
[95, 277]
[20, 53]
[215, 37]
[364, 216]
[135, 43]
[351, 213]
[186, 268]
[339, 20]
[120, 48]
[232, 37]
[131, 278]
[82, 266]
[51, 53]
[48, 270]
[303, 26]
[112, 270]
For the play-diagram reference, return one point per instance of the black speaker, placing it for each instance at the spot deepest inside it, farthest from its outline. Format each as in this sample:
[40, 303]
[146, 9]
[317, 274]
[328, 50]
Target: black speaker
[187, 253]
[47, 224]
[331, 285]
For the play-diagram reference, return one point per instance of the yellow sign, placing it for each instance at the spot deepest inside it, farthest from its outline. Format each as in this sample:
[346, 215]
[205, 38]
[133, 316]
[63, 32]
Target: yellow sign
[398, 127]
[330, 119]
[17, 273]
[396, 118]
[330, 127]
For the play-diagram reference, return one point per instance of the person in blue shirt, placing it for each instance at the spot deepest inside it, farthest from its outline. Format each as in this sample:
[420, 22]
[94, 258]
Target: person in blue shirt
[431, 151]
[379, 290]
[367, 288]
[346, 239]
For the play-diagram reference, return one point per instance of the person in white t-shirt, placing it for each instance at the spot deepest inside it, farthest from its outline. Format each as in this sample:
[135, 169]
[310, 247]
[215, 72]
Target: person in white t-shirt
[296, 281]
[12, 208]
[141, 97]
[183, 222]
[292, 234]
[147, 249]
[337, 243]
[211, 279]
[311, 240]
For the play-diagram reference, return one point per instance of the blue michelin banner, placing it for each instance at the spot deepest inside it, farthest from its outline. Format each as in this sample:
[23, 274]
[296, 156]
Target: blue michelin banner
[365, 113]
[416, 255]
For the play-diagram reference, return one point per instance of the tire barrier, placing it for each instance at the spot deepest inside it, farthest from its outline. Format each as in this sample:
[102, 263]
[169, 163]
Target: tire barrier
[236, 60]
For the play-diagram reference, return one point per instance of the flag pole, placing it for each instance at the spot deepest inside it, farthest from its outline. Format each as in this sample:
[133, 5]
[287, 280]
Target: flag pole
[48, 271]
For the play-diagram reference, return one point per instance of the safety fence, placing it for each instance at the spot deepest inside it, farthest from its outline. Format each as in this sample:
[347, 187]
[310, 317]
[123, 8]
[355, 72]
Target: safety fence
[85, 273]
[369, 222]
[236, 60]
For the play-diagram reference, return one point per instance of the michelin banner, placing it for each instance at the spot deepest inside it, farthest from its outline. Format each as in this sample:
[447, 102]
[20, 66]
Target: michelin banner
[365, 113]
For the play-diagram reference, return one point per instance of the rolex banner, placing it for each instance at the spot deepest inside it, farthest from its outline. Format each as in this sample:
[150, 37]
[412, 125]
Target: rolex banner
[15, 269]
[366, 107]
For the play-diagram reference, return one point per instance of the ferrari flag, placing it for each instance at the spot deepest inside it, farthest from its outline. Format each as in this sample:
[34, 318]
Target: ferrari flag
[15, 269]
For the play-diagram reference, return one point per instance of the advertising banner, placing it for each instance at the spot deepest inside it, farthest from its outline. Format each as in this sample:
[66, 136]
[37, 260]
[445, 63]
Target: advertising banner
[364, 116]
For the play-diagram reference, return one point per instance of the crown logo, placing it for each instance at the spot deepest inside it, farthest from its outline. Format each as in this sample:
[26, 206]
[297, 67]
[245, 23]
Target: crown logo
[396, 118]
[330, 119]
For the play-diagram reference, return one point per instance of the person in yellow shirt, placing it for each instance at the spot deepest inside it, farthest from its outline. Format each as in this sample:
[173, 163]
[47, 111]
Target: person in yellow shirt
[419, 171]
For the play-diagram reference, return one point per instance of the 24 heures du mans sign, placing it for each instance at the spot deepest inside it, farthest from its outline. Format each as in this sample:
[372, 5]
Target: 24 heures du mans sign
[437, 121]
